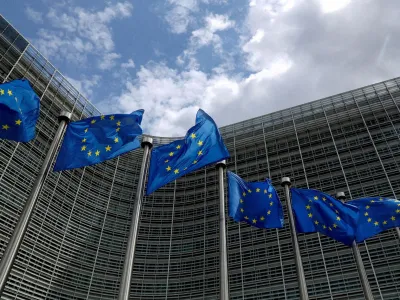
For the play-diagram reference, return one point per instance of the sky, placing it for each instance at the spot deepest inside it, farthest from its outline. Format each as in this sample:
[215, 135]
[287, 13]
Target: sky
[235, 59]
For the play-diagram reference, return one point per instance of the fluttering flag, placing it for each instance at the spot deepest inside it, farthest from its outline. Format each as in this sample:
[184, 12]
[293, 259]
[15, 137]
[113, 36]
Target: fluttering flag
[256, 203]
[19, 111]
[317, 211]
[97, 139]
[377, 214]
[202, 145]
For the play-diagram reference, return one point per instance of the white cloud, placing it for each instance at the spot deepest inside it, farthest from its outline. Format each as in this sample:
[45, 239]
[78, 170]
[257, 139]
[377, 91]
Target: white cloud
[329, 6]
[33, 15]
[129, 64]
[85, 85]
[76, 33]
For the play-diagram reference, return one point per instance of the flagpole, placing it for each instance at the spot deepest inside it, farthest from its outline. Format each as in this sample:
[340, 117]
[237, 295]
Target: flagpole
[299, 265]
[223, 255]
[10, 253]
[124, 289]
[360, 265]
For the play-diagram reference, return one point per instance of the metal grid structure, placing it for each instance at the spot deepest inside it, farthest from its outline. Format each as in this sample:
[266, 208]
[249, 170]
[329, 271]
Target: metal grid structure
[74, 247]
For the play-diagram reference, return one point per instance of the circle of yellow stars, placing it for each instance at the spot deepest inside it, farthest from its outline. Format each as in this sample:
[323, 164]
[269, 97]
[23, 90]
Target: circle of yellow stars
[384, 222]
[107, 148]
[318, 223]
[171, 154]
[245, 216]
[18, 122]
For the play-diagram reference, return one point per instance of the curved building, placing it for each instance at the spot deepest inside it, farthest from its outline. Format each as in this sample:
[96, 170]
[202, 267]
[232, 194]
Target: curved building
[75, 245]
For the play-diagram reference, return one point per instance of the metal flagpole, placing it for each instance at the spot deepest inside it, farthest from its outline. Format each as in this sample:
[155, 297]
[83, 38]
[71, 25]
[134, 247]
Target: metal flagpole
[360, 265]
[299, 265]
[147, 144]
[223, 255]
[16, 239]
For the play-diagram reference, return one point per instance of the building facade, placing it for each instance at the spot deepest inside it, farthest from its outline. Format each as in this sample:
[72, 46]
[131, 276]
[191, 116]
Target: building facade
[75, 245]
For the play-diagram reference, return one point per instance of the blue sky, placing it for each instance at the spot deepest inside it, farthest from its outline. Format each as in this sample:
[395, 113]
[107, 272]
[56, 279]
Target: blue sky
[236, 59]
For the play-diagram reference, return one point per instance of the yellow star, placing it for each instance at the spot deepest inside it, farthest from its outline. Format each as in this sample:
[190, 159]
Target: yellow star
[398, 204]
[249, 190]
[330, 229]
[178, 147]
[336, 211]
[84, 140]
[1, 92]
[195, 162]
[116, 140]
[310, 215]
[86, 130]
[83, 148]
[323, 226]
[265, 191]
[6, 127]
[271, 203]
[262, 218]
[376, 223]
[200, 153]
[108, 148]
[93, 121]
[257, 190]
[384, 222]
[315, 197]
[366, 214]
[18, 122]
[244, 194]
[367, 207]
[168, 168]
[102, 117]
[270, 196]
[242, 210]
[330, 204]
[9, 93]
[372, 201]
[254, 221]
[118, 129]
[246, 217]
[338, 218]
[316, 222]
[97, 153]
[334, 225]
[308, 207]
[241, 201]
[200, 143]
[176, 171]
[269, 212]
[381, 198]
[171, 154]
[323, 198]
[393, 218]
[398, 210]
[89, 153]
[166, 161]
[369, 220]
[119, 123]
[193, 135]
[111, 117]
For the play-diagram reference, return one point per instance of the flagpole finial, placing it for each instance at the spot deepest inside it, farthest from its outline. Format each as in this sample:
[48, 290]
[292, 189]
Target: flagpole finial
[64, 116]
[341, 196]
[285, 181]
[147, 141]
[221, 163]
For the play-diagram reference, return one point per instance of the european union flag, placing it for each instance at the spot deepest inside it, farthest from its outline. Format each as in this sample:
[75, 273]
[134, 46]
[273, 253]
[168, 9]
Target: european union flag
[97, 139]
[317, 211]
[19, 111]
[377, 214]
[256, 203]
[203, 145]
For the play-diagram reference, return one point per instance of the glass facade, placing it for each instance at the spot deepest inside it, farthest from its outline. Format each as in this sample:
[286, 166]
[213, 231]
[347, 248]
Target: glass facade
[75, 245]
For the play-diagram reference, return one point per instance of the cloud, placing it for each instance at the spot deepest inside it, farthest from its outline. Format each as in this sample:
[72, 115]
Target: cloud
[33, 15]
[129, 64]
[85, 85]
[293, 52]
[77, 33]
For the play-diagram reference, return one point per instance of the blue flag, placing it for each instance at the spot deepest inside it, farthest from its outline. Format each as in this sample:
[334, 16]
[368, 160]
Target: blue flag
[377, 214]
[97, 139]
[317, 211]
[203, 145]
[19, 111]
[256, 203]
